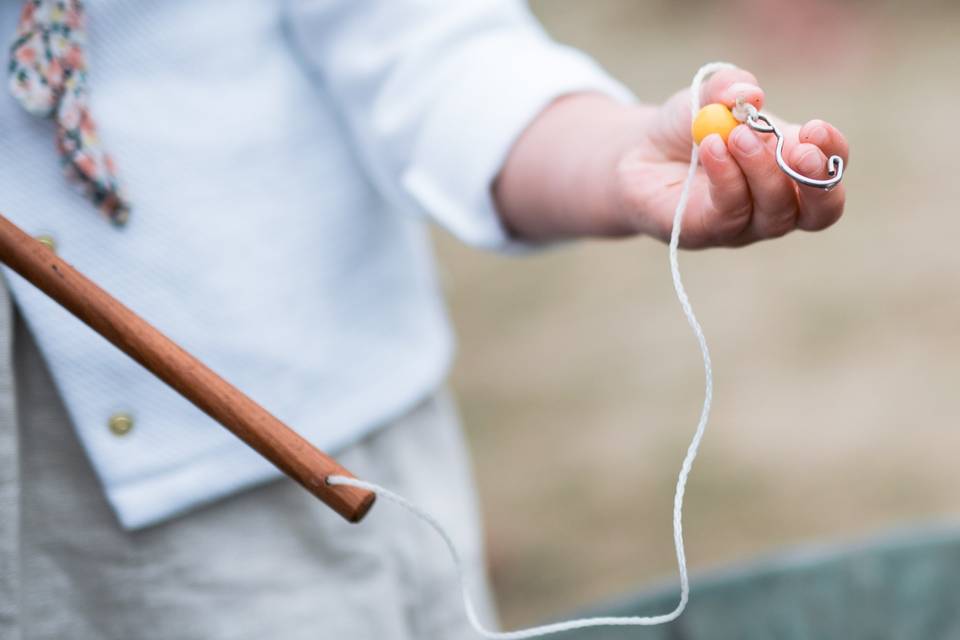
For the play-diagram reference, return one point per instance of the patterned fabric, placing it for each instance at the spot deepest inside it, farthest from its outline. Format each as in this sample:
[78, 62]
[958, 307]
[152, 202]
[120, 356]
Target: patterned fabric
[48, 75]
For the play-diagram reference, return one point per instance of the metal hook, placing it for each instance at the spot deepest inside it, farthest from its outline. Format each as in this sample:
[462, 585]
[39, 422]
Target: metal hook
[760, 123]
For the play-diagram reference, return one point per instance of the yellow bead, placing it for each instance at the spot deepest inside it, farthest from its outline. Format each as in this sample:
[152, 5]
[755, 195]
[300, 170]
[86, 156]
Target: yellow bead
[713, 118]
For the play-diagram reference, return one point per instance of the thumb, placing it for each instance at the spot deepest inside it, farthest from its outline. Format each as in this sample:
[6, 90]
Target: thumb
[728, 85]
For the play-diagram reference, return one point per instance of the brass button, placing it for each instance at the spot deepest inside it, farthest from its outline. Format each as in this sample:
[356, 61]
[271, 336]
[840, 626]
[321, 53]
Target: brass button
[47, 241]
[120, 424]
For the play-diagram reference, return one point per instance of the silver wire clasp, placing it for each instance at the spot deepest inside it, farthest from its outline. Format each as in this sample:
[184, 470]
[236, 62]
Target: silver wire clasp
[748, 114]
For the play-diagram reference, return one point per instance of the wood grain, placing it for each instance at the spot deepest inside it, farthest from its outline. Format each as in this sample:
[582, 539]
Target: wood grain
[223, 402]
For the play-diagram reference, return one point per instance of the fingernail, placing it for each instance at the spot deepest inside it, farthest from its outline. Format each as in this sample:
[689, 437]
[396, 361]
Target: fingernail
[716, 147]
[818, 136]
[745, 90]
[747, 142]
[811, 163]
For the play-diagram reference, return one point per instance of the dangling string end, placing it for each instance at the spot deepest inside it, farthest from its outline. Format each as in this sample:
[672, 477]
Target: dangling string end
[746, 113]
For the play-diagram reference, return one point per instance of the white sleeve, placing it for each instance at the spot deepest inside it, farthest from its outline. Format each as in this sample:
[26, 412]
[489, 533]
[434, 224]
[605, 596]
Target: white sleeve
[435, 92]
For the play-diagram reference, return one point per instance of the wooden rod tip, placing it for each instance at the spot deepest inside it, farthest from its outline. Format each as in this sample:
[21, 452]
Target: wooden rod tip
[363, 508]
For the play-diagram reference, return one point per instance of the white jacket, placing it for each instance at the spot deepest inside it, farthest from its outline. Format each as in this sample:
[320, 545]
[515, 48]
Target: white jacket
[280, 158]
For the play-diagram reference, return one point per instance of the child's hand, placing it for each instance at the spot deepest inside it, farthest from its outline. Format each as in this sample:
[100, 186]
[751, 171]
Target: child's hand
[739, 194]
[590, 166]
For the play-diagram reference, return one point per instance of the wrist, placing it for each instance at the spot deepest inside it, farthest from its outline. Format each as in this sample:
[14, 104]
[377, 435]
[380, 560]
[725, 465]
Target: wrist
[560, 179]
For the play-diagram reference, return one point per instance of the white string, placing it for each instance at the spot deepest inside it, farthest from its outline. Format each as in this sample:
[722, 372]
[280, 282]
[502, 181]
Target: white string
[741, 113]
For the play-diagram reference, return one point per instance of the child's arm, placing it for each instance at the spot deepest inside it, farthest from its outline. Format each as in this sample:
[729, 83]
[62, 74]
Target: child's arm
[590, 166]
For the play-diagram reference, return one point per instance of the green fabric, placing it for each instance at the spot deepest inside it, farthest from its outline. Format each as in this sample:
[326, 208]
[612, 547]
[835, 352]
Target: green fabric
[905, 587]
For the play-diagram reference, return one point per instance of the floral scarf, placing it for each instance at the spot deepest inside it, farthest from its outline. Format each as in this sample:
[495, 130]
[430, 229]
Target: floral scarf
[48, 77]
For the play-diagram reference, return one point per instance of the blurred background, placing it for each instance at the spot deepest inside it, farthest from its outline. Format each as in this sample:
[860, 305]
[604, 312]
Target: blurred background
[837, 355]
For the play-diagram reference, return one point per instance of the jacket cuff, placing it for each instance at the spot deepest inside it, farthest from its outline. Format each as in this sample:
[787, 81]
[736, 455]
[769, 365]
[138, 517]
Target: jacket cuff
[502, 85]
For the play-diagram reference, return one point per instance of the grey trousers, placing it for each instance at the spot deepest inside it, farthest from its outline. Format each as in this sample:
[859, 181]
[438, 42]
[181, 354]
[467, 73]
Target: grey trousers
[271, 563]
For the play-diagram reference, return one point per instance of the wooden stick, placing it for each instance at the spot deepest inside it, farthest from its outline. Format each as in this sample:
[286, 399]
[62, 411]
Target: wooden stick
[223, 402]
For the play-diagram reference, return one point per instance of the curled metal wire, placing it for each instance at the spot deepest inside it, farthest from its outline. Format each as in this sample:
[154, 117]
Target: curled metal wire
[760, 123]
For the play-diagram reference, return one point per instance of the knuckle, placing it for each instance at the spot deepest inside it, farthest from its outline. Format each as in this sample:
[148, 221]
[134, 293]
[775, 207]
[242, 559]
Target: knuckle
[731, 222]
[821, 219]
[778, 223]
[737, 216]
